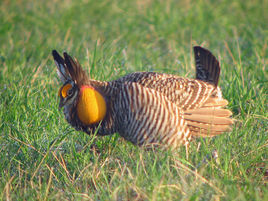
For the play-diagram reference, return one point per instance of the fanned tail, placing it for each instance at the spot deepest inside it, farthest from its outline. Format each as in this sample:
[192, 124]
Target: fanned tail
[209, 120]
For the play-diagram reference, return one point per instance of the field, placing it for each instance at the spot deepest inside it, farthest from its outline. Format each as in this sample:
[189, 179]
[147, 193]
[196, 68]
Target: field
[44, 158]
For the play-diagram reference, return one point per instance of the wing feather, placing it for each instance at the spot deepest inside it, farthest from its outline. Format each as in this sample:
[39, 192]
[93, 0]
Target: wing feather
[149, 117]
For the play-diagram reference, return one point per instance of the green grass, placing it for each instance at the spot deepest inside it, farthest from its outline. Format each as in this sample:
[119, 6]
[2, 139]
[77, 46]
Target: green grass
[43, 158]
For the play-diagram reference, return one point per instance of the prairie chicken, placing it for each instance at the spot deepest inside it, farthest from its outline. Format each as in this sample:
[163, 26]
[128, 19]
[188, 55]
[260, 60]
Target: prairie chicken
[146, 107]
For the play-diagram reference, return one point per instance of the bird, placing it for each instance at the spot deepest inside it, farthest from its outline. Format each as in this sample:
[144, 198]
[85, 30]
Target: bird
[146, 108]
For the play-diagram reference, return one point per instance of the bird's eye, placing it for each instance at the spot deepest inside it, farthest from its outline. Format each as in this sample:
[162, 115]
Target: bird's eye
[70, 92]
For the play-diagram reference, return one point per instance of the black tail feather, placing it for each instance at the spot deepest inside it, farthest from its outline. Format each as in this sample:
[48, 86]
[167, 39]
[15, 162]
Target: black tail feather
[207, 66]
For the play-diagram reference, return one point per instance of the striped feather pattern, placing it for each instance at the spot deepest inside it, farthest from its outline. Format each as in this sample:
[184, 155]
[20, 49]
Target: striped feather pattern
[149, 117]
[186, 93]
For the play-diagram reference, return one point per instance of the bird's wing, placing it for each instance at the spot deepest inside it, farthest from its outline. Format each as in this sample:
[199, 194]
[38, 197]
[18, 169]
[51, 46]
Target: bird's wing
[147, 116]
[185, 93]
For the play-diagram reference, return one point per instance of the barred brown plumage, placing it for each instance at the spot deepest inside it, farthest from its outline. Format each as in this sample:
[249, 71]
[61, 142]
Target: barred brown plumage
[160, 121]
[146, 107]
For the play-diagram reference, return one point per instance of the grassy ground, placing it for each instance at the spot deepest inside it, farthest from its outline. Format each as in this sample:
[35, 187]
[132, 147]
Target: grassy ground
[43, 158]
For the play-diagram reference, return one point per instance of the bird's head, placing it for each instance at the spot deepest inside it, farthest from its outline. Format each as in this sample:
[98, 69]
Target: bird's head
[72, 77]
[77, 90]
